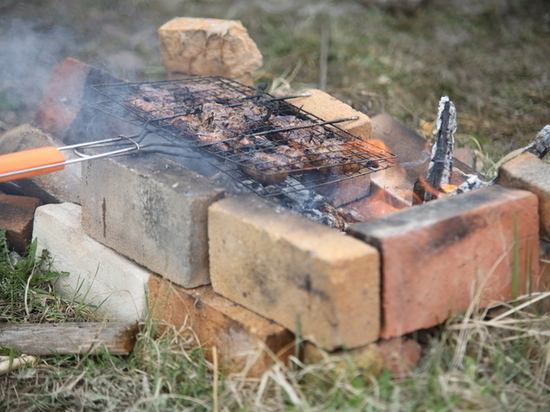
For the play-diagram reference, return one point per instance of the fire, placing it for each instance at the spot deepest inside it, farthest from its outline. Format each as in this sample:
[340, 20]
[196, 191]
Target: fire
[446, 188]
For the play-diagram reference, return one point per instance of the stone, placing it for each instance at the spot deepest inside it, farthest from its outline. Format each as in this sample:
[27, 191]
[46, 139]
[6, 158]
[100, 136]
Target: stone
[153, 211]
[16, 218]
[443, 256]
[326, 107]
[313, 280]
[396, 355]
[55, 187]
[96, 275]
[367, 360]
[528, 172]
[208, 47]
[400, 354]
[246, 343]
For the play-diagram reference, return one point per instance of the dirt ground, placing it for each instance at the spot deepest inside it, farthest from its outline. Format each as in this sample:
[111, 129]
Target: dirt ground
[490, 56]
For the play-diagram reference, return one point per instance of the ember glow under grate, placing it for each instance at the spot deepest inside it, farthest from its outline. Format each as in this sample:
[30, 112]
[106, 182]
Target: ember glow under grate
[262, 142]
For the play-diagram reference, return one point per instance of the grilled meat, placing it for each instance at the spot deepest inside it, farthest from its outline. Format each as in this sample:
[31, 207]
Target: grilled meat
[268, 144]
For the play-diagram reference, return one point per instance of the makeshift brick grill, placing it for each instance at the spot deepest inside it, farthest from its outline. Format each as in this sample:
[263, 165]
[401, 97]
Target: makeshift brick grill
[246, 268]
[262, 142]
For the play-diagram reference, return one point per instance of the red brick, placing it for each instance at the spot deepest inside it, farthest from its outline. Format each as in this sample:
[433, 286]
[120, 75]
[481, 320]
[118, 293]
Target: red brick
[528, 172]
[16, 217]
[246, 342]
[68, 92]
[436, 256]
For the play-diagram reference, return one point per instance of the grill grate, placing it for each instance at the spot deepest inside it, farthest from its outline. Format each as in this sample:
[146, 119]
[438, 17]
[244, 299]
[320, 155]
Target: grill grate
[264, 143]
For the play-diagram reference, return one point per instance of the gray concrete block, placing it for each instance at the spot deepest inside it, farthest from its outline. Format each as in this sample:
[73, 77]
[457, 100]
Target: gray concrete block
[96, 274]
[153, 211]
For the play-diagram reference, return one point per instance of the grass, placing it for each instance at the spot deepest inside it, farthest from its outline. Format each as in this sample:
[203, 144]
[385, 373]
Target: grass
[482, 360]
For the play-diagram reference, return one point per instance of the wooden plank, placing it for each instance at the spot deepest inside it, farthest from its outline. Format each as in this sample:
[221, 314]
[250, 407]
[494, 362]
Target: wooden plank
[69, 338]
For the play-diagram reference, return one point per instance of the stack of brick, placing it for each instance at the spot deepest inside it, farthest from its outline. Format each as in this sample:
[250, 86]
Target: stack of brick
[167, 232]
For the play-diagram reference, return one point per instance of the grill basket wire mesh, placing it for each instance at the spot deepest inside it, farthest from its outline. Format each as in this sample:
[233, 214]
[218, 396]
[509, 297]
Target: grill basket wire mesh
[264, 143]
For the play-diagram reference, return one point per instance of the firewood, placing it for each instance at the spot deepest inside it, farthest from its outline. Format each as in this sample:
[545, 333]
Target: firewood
[540, 145]
[441, 163]
[69, 338]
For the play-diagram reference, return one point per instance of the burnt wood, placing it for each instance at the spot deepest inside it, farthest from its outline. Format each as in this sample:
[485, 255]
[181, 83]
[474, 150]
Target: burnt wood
[540, 145]
[439, 170]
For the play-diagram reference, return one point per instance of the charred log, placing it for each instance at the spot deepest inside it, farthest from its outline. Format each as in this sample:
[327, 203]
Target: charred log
[441, 160]
[540, 144]
[441, 163]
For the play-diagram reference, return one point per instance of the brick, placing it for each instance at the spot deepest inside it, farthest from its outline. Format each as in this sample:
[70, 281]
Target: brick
[528, 172]
[60, 186]
[153, 211]
[413, 155]
[345, 191]
[377, 204]
[436, 257]
[326, 107]
[311, 279]
[63, 109]
[246, 342]
[16, 218]
[205, 47]
[96, 275]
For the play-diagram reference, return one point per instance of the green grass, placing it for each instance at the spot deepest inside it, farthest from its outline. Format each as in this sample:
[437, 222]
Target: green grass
[482, 360]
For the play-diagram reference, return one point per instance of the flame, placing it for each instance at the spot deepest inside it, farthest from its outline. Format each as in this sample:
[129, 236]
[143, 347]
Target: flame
[379, 146]
[446, 188]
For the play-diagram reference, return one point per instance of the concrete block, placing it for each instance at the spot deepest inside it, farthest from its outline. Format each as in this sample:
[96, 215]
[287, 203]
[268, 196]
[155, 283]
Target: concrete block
[153, 211]
[311, 279]
[326, 107]
[447, 254]
[16, 218]
[96, 274]
[528, 172]
[246, 342]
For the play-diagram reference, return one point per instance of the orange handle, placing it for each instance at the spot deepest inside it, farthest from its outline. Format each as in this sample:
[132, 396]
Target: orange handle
[29, 159]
